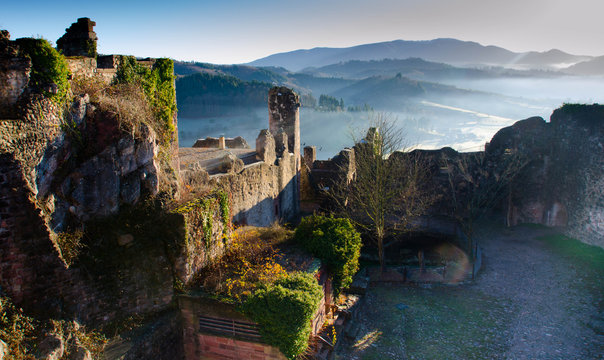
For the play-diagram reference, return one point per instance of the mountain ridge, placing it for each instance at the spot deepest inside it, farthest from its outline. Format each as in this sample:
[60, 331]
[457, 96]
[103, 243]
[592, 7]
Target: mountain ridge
[445, 50]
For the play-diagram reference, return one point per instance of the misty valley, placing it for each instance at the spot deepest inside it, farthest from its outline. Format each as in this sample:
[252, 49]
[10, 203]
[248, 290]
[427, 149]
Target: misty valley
[401, 200]
[462, 110]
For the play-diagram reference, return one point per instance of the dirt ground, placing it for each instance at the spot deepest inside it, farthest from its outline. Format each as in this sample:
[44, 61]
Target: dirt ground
[533, 299]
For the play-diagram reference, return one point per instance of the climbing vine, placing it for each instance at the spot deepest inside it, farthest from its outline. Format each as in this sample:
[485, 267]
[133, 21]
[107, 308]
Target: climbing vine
[49, 70]
[203, 210]
[157, 83]
[225, 211]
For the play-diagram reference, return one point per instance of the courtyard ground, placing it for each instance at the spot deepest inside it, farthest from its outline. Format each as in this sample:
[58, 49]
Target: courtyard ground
[538, 296]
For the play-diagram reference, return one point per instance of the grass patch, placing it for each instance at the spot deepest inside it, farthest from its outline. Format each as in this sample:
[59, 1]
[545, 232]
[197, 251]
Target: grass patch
[590, 257]
[461, 323]
[454, 322]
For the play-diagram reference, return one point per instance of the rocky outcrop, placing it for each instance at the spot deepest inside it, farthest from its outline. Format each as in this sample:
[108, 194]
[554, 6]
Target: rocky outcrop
[94, 168]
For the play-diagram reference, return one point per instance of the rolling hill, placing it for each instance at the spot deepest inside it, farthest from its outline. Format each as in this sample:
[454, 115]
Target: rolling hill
[594, 66]
[449, 51]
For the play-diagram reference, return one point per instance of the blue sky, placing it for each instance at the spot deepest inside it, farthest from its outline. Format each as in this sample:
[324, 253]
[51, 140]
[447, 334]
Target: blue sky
[235, 31]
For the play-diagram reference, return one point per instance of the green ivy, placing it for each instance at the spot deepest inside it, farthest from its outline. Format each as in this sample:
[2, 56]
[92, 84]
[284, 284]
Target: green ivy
[284, 310]
[225, 211]
[207, 212]
[48, 67]
[158, 85]
[207, 206]
[336, 242]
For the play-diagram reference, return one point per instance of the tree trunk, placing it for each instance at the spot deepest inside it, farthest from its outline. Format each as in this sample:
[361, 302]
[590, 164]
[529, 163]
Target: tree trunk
[381, 252]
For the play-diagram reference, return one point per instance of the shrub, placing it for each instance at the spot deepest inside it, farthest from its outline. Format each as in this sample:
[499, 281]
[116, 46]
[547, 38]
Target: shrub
[17, 330]
[251, 260]
[284, 311]
[158, 86]
[70, 245]
[335, 242]
[127, 104]
[48, 67]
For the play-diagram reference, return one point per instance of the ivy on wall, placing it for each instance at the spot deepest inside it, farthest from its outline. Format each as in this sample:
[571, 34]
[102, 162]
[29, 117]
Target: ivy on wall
[203, 210]
[158, 85]
[49, 70]
[284, 310]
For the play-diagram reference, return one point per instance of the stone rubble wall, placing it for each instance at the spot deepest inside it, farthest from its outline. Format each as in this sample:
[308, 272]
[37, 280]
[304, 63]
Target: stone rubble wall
[14, 76]
[561, 186]
[34, 276]
[261, 194]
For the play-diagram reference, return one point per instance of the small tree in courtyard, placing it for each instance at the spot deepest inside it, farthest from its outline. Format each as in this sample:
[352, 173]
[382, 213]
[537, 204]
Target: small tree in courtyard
[386, 192]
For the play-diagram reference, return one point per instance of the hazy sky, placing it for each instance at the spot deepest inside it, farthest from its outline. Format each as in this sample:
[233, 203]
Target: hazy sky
[235, 31]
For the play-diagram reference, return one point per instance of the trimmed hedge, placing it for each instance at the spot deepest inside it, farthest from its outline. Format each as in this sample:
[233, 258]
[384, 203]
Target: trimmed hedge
[336, 242]
[284, 311]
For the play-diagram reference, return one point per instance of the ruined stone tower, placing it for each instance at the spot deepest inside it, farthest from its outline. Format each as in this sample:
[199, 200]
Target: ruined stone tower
[284, 116]
[79, 39]
[284, 124]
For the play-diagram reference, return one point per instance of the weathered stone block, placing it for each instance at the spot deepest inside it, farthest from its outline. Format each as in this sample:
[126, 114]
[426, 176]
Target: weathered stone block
[265, 147]
[310, 155]
[230, 164]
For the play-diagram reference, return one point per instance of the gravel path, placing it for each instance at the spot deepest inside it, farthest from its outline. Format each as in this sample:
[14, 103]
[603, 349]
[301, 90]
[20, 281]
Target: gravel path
[528, 302]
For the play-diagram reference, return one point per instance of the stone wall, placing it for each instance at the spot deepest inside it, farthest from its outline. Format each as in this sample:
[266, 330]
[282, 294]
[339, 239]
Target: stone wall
[79, 39]
[82, 66]
[262, 193]
[204, 235]
[223, 143]
[561, 184]
[14, 76]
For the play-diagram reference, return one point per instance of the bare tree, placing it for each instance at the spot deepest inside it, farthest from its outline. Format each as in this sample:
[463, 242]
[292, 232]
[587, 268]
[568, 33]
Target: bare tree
[386, 191]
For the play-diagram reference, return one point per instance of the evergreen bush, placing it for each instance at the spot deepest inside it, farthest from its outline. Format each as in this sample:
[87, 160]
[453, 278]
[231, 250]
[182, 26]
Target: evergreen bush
[284, 311]
[336, 242]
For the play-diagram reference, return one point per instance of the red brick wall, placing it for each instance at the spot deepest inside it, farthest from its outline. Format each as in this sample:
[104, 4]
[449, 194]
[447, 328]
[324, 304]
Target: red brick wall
[217, 347]
[198, 345]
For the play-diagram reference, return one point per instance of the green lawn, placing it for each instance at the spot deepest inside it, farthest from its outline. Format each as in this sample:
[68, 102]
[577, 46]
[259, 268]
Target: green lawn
[590, 257]
[439, 323]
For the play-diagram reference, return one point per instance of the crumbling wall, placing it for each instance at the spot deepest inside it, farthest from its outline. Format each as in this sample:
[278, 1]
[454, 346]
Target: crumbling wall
[204, 226]
[79, 39]
[14, 76]
[261, 194]
[74, 187]
[229, 143]
[560, 185]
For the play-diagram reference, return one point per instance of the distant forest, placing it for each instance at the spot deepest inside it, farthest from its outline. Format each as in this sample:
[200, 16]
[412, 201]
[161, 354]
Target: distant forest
[204, 94]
